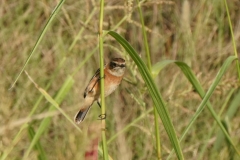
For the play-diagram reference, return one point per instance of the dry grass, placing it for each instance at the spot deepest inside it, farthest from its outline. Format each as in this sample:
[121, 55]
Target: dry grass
[203, 41]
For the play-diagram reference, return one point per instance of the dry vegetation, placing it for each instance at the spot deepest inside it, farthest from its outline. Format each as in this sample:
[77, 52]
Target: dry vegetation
[196, 32]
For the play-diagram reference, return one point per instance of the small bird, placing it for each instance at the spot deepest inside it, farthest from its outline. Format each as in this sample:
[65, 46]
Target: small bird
[113, 74]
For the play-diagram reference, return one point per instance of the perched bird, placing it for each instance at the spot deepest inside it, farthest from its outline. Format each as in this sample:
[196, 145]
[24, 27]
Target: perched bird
[113, 74]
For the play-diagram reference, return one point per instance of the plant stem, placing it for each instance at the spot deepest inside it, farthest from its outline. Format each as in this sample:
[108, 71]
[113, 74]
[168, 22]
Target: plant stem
[103, 110]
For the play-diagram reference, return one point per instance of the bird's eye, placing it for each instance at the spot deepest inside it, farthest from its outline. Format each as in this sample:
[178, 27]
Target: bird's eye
[113, 65]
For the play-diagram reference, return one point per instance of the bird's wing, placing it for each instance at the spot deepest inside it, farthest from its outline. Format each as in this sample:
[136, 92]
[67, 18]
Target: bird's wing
[92, 83]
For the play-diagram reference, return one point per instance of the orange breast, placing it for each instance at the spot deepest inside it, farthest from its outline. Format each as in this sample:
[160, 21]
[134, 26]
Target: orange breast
[111, 83]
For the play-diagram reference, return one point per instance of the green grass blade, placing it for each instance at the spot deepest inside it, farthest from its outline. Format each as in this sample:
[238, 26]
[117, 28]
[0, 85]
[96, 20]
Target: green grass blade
[211, 132]
[20, 133]
[193, 80]
[57, 100]
[155, 95]
[149, 64]
[38, 146]
[156, 68]
[52, 16]
[208, 95]
[191, 77]
[233, 107]
[233, 38]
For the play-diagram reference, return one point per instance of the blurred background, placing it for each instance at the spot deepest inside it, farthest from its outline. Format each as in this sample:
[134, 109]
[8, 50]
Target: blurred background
[195, 32]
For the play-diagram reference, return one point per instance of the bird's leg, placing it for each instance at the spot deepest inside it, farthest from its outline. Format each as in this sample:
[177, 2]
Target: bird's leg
[101, 116]
[99, 104]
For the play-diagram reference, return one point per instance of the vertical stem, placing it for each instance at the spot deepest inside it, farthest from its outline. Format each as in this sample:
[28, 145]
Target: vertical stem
[233, 39]
[157, 134]
[103, 110]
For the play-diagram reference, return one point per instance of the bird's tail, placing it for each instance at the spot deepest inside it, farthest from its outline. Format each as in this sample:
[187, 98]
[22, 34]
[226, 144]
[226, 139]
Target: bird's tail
[80, 116]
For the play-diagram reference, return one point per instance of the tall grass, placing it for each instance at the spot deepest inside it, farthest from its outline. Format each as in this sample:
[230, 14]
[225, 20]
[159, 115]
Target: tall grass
[56, 44]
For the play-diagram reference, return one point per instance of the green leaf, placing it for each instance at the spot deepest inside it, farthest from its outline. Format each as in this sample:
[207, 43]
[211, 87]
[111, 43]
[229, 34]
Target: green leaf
[206, 97]
[193, 80]
[155, 95]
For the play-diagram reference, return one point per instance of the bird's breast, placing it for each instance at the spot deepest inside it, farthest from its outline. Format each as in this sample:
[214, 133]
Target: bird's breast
[111, 83]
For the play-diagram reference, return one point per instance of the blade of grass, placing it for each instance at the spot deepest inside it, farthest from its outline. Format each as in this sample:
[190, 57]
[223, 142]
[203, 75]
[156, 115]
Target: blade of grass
[52, 16]
[19, 134]
[155, 95]
[58, 99]
[204, 148]
[233, 107]
[38, 146]
[206, 97]
[156, 124]
[156, 68]
[233, 39]
[193, 80]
